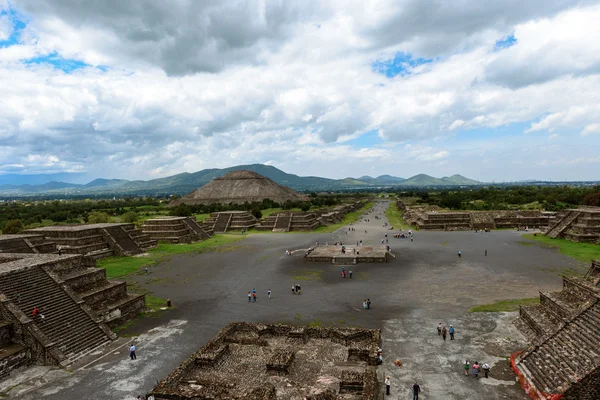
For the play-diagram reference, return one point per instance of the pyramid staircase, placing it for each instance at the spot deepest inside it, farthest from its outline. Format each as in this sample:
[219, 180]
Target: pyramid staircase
[174, 230]
[564, 357]
[68, 326]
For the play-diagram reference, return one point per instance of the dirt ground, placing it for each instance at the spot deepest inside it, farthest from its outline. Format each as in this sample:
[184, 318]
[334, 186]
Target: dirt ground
[426, 283]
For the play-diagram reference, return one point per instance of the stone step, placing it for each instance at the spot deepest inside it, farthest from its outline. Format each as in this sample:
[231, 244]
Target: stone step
[99, 254]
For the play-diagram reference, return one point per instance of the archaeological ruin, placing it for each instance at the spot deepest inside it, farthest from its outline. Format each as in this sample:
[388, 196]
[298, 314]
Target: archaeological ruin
[288, 221]
[94, 240]
[579, 225]
[563, 361]
[176, 230]
[247, 361]
[437, 219]
[239, 187]
[347, 254]
[225, 221]
[78, 303]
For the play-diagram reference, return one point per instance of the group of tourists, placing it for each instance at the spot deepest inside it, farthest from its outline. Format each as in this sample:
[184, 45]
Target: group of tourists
[416, 389]
[37, 315]
[367, 304]
[476, 368]
[252, 296]
[296, 289]
[344, 273]
[443, 331]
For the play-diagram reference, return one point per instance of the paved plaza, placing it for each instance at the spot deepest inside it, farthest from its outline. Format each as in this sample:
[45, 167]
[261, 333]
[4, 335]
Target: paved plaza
[425, 284]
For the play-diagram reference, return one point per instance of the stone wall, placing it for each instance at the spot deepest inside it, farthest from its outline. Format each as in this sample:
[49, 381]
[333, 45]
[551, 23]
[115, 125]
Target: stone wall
[362, 342]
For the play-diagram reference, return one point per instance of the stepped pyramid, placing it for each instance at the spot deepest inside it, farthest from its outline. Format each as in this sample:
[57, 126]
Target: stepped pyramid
[579, 225]
[564, 358]
[239, 187]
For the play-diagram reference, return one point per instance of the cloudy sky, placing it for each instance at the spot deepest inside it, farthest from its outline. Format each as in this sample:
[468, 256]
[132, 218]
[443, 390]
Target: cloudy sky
[493, 90]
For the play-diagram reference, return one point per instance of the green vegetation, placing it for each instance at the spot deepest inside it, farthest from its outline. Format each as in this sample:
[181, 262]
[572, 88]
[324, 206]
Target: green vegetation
[122, 266]
[395, 217]
[551, 198]
[316, 275]
[584, 252]
[505, 305]
[351, 217]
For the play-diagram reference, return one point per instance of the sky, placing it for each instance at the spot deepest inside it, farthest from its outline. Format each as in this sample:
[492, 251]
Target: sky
[496, 90]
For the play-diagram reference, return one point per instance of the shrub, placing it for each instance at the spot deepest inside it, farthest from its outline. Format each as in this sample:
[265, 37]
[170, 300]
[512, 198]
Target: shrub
[13, 226]
[305, 206]
[97, 217]
[257, 213]
[129, 217]
[181, 210]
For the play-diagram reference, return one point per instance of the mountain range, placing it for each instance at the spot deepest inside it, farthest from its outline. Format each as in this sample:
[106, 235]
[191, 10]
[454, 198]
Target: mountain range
[187, 182]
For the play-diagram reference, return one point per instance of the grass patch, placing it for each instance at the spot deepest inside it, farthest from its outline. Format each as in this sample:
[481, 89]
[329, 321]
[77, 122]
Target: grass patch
[310, 276]
[522, 243]
[395, 218]
[315, 323]
[201, 217]
[118, 267]
[351, 217]
[584, 252]
[505, 305]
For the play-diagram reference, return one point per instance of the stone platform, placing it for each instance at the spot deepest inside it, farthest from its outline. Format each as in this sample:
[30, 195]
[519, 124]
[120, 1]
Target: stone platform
[332, 254]
[268, 362]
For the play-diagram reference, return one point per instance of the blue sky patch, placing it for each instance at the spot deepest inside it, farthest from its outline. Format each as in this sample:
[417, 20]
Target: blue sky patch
[54, 59]
[18, 24]
[367, 139]
[401, 64]
[506, 42]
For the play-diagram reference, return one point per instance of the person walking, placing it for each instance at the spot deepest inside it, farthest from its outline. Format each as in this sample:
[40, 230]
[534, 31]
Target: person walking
[416, 390]
[476, 370]
[486, 369]
[132, 352]
[254, 297]
[368, 304]
[486, 252]
[459, 254]
[444, 332]
[42, 318]
[451, 331]
[249, 297]
[294, 288]
[439, 329]
[59, 248]
[466, 367]
[350, 274]
[269, 293]
[34, 313]
[297, 288]
[387, 386]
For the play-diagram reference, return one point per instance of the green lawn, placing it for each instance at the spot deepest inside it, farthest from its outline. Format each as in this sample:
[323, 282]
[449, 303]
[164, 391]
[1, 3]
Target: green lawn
[395, 219]
[122, 266]
[351, 217]
[584, 252]
[505, 305]
[201, 217]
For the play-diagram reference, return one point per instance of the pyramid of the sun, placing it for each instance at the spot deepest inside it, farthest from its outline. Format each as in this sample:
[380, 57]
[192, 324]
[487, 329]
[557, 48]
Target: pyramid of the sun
[239, 187]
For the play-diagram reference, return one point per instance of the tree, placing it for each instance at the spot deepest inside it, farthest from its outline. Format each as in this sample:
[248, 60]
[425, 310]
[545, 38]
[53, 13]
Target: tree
[13, 226]
[129, 217]
[97, 217]
[592, 199]
[305, 206]
[257, 213]
[181, 210]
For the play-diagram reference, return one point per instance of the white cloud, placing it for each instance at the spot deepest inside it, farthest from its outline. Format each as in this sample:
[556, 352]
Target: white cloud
[590, 129]
[6, 26]
[199, 85]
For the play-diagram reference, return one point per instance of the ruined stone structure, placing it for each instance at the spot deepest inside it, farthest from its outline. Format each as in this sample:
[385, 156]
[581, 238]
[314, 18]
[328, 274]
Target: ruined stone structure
[564, 358]
[288, 221]
[78, 303]
[434, 218]
[239, 187]
[225, 221]
[26, 243]
[579, 225]
[96, 240]
[175, 230]
[279, 362]
[332, 254]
